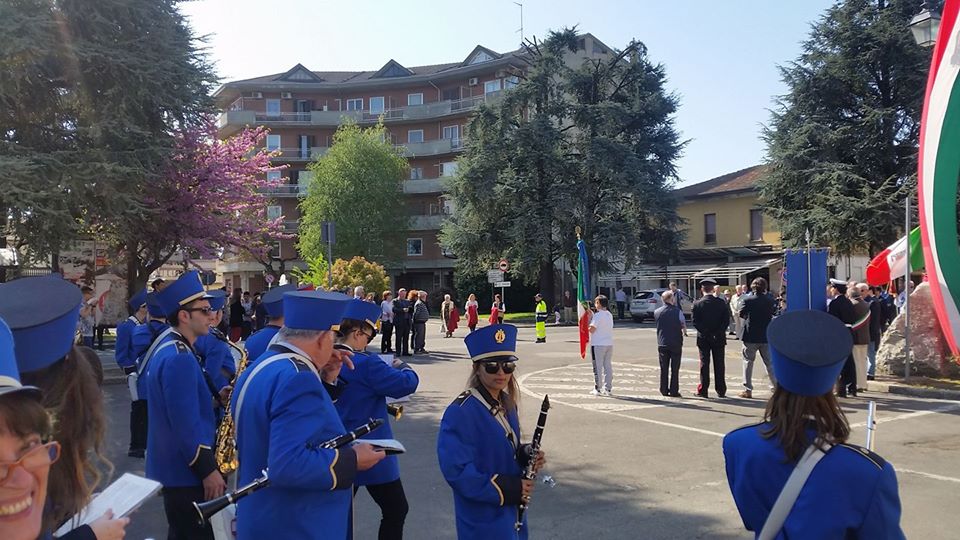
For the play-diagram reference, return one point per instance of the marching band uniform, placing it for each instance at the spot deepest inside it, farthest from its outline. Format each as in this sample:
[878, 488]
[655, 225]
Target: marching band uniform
[363, 397]
[182, 426]
[213, 349]
[479, 447]
[851, 492]
[272, 301]
[143, 336]
[285, 413]
[128, 363]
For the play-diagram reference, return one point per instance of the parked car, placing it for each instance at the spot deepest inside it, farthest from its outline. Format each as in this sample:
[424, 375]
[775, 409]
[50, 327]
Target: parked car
[646, 302]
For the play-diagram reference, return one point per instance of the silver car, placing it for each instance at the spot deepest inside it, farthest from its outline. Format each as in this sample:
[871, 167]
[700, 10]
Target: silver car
[644, 303]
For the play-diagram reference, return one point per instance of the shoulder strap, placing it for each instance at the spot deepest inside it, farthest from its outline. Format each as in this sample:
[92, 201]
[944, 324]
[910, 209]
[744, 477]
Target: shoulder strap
[790, 492]
[259, 367]
[154, 347]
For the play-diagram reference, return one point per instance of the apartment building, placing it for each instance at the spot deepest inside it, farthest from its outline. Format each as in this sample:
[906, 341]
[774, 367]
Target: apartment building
[426, 110]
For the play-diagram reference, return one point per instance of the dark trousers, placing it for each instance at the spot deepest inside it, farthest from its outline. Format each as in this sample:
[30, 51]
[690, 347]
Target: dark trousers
[403, 339]
[181, 516]
[138, 425]
[420, 335]
[669, 380]
[99, 331]
[393, 507]
[386, 328]
[620, 306]
[848, 377]
[714, 349]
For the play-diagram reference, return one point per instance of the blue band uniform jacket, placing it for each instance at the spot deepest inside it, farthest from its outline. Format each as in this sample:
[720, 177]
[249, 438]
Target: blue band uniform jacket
[478, 450]
[216, 357]
[363, 398]
[851, 493]
[143, 336]
[286, 413]
[124, 347]
[257, 343]
[181, 417]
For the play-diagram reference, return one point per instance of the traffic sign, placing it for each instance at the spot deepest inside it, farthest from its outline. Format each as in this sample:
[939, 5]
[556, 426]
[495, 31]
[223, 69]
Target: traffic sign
[504, 265]
[268, 278]
[494, 276]
[501, 284]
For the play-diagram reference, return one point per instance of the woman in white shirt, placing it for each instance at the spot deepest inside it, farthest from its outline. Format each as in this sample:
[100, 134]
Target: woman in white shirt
[386, 323]
[601, 347]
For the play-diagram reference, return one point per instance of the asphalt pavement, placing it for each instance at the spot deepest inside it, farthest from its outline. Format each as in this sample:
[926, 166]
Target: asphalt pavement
[634, 465]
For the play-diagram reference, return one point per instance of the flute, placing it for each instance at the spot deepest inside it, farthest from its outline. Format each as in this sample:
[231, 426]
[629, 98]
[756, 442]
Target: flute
[530, 473]
[206, 510]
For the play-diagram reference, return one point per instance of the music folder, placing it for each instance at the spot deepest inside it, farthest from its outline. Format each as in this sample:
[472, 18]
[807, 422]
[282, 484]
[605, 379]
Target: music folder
[390, 446]
[123, 496]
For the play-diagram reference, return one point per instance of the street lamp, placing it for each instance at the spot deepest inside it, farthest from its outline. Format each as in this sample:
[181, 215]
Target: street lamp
[924, 26]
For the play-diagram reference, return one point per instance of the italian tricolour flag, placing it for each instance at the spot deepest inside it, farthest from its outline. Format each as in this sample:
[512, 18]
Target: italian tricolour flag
[583, 297]
[891, 263]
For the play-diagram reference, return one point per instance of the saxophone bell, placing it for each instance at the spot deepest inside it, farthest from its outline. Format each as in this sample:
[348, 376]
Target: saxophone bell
[394, 410]
[226, 449]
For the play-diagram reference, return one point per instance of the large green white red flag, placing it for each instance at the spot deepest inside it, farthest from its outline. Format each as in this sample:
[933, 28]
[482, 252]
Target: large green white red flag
[939, 169]
[891, 263]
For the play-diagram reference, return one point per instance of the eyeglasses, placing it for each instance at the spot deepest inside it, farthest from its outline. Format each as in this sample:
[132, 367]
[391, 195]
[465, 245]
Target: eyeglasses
[35, 458]
[369, 336]
[204, 310]
[493, 366]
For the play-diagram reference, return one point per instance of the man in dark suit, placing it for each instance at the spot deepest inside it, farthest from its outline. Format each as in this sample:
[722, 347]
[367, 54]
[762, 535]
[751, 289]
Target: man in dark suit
[402, 321]
[756, 310]
[841, 308]
[670, 332]
[711, 317]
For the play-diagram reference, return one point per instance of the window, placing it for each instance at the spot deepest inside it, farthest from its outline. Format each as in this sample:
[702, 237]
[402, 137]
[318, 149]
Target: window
[376, 105]
[273, 108]
[416, 173]
[451, 132]
[479, 58]
[414, 99]
[414, 136]
[274, 212]
[511, 82]
[414, 247]
[451, 94]
[275, 250]
[756, 225]
[355, 104]
[448, 168]
[273, 142]
[709, 228]
[273, 176]
[490, 87]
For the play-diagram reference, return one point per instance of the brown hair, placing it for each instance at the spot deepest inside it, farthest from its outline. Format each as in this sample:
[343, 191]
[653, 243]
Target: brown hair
[73, 398]
[22, 415]
[512, 399]
[791, 415]
[413, 294]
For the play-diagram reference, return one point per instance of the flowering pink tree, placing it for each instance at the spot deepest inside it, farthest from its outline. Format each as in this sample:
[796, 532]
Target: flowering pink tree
[207, 199]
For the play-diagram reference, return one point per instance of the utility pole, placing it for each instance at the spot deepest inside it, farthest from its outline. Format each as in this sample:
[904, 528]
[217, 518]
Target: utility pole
[520, 4]
[906, 296]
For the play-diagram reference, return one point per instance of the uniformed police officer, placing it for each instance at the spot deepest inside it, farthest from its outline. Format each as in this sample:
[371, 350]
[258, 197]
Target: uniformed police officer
[128, 363]
[541, 314]
[273, 303]
[182, 425]
[283, 413]
[843, 491]
[363, 397]
[711, 317]
[479, 441]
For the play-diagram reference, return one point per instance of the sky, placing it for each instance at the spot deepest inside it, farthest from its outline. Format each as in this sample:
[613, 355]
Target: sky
[721, 57]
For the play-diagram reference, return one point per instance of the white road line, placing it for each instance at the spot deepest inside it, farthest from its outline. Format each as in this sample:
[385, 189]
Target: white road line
[928, 475]
[882, 420]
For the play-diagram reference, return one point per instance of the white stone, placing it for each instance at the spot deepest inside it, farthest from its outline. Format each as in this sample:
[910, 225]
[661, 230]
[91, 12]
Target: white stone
[928, 347]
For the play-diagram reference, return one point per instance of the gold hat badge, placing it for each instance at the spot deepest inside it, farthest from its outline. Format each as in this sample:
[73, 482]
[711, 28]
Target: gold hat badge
[500, 336]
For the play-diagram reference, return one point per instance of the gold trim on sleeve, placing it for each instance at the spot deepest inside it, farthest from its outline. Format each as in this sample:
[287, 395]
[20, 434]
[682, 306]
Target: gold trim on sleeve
[499, 491]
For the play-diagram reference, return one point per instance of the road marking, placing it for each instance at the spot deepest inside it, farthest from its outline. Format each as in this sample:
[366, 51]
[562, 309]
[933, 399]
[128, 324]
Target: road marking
[883, 420]
[929, 475]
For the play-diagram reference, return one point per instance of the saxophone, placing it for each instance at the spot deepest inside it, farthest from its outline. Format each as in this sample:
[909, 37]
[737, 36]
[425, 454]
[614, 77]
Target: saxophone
[226, 452]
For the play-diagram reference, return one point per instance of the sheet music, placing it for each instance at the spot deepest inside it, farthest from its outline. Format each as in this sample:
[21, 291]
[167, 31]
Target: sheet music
[390, 446]
[123, 497]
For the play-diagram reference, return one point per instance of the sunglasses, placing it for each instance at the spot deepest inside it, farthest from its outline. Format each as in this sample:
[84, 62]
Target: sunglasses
[35, 458]
[204, 310]
[493, 366]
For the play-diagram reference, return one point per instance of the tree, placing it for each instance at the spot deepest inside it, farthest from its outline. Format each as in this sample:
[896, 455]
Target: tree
[591, 145]
[359, 271]
[358, 185]
[842, 143]
[316, 273]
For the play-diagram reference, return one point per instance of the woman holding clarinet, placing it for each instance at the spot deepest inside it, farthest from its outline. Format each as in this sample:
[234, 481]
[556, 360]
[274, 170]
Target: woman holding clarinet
[479, 447]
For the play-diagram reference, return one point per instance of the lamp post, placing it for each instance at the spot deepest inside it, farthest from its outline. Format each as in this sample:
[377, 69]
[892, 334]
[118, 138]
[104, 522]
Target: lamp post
[924, 26]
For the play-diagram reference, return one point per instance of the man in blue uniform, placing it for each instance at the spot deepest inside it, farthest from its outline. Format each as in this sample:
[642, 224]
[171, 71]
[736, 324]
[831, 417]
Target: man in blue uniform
[182, 425]
[273, 303]
[479, 441]
[142, 338]
[213, 350]
[365, 388]
[842, 491]
[283, 413]
[128, 363]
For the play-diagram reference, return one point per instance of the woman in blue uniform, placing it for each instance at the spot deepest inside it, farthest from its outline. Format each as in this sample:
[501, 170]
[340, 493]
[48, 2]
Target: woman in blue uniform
[479, 442]
[842, 491]
[367, 386]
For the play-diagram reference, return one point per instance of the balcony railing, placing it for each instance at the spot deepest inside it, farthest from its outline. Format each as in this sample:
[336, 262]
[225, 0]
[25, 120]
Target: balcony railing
[291, 226]
[300, 154]
[426, 223]
[286, 190]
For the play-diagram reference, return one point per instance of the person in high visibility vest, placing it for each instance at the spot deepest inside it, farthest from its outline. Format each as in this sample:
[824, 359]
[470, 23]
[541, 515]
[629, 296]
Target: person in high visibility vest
[541, 312]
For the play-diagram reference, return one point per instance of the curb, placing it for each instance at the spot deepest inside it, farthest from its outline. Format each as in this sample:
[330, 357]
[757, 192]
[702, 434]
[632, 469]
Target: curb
[913, 391]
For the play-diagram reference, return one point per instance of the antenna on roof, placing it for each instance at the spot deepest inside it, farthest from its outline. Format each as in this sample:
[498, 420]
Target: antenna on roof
[520, 4]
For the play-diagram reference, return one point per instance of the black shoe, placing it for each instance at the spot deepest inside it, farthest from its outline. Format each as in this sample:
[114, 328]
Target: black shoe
[406, 354]
[136, 453]
[871, 378]
[675, 394]
[702, 394]
[664, 394]
[841, 394]
[723, 395]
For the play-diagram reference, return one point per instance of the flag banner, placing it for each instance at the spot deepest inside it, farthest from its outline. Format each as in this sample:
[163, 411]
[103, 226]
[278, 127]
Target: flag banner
[891, 263]
[583, 297]
[806, 291]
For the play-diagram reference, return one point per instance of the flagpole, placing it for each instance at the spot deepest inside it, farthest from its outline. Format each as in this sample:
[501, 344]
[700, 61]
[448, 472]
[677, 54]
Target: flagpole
[906, 295]
[809, 272]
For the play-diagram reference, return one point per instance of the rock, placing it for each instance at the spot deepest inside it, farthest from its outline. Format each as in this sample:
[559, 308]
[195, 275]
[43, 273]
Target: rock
[928, 347]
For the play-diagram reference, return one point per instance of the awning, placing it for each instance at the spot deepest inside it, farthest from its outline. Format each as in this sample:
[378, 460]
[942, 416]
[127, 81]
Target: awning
[650, 272]
[735, 269]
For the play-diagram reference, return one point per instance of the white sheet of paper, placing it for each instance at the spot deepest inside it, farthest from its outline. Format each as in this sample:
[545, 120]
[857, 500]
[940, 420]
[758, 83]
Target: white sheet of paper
[123, 496]
[392, 446]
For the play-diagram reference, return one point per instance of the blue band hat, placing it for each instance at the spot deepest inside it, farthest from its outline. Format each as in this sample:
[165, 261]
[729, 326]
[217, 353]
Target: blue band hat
[272, 300]
[363, 311]
[138, 300]
[181, 292]
[153, 305]
[9, 375]
[492, 341]
[218, 299]
[808, 349]
[314, 310]
[42, 313]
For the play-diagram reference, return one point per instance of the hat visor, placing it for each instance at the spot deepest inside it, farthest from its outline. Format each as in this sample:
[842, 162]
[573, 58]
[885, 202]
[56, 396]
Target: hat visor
[498, 355]
[32, 391]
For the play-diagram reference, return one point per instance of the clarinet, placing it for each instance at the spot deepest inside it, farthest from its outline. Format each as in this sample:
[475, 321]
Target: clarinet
[529, 473]
[208, 509]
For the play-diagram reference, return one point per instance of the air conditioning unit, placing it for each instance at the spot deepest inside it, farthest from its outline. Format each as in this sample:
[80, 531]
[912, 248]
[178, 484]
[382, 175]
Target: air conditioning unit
[473, 81]
[255, 95]
[286, 95]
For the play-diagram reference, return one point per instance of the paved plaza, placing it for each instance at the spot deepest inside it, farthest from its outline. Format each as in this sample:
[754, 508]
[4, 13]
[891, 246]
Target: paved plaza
[635, 465]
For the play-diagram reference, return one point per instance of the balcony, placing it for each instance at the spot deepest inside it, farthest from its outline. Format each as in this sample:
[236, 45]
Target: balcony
[423, 185]
[291, 226]
[286, 190]
[301, 154]
[433, 148]
[426, 223]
